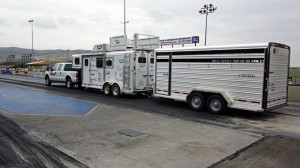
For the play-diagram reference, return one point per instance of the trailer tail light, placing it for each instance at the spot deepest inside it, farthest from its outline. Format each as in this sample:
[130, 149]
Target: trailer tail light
[134, 68]
[76, 75]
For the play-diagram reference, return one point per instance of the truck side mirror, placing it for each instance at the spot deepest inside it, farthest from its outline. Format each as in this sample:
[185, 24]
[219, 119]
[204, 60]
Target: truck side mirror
[51, 69]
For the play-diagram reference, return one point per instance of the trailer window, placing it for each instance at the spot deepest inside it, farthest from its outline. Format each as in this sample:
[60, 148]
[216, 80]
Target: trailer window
[86, 62]
[152, 60]
[108, 62]
[76, 61]
[99, 62]
[142, 60]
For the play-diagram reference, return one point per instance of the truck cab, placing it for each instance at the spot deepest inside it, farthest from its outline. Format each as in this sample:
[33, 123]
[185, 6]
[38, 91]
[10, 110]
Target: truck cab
[63, 73]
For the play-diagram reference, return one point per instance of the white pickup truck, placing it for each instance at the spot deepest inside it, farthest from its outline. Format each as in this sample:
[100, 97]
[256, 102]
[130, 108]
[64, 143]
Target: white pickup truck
[63, 73]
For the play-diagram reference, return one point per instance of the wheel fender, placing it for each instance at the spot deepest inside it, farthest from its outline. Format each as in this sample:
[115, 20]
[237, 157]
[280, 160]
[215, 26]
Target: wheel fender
[224, 94]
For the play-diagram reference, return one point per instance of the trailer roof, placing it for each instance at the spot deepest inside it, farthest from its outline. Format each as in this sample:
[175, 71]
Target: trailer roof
[217, 47]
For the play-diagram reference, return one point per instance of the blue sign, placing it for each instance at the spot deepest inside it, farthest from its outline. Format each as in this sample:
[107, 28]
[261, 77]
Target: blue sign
[177, 41]
[6, 72]
[195, 39]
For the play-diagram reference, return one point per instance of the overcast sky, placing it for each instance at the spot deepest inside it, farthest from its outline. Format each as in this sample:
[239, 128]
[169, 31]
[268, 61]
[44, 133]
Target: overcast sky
[79, 24]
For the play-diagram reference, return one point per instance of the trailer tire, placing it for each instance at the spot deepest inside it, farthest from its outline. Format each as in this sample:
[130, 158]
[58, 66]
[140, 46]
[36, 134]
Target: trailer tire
[116, 90]
[216, 104]
[48, 81]
[107, 90]
[196, 101]
[69, 83]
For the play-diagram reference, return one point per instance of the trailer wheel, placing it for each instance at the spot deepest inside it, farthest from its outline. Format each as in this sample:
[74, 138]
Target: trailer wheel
[48, 81]
[107, 89]
[196, 101]
[116, 90]
[69, 83]
[216, 104]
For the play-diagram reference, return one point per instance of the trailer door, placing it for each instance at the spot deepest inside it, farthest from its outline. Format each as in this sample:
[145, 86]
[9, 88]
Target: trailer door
[86, 71]
[163, 73]
[142, 71]
[97, 71]
[278, 75]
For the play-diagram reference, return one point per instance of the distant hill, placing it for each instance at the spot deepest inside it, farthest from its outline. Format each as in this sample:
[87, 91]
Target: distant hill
[38, 54]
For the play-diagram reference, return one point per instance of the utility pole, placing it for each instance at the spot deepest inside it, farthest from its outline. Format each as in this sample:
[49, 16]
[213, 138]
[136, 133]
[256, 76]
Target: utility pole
[67, 54]
[31, 39]
[207, 8]
[125, 22]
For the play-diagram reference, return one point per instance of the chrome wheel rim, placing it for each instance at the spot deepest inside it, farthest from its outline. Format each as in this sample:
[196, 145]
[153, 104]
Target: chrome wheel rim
[106, 89]
[115, 91]
[68, 83]
[215, 104]
[196, 102]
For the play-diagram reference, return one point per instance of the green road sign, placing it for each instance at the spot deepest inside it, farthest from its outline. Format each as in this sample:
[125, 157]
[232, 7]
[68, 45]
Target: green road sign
[11, 56]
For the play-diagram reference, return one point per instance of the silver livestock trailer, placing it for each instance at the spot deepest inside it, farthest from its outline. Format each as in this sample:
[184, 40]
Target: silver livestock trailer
[250, 77]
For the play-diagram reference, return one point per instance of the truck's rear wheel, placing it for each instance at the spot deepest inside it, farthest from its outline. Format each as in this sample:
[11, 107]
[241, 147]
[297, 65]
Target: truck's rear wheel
[69, 83]
[47, 81]
[116, 90]
[216, 104]
[197, 101]
[107, 90]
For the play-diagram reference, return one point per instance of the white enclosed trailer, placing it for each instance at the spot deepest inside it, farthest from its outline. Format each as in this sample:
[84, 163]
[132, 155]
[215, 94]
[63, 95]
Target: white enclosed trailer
[249, 77]
[119, 72]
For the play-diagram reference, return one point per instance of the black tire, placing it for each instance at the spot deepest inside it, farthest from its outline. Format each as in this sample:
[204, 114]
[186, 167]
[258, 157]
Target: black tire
[216, 104]
[48, 81]
[69, 83]
[197, 101]
[79, 85]
[107, 90]
[116, 90]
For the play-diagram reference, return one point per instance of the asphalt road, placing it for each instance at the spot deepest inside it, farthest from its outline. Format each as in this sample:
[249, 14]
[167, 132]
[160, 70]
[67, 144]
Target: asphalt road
[171, 134]
[283, 121]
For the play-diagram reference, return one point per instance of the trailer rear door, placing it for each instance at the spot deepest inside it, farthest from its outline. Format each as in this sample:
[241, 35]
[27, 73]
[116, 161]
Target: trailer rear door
[278, 75]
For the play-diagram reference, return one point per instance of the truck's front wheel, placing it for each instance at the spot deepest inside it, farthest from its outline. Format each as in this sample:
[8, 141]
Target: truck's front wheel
[47, 81]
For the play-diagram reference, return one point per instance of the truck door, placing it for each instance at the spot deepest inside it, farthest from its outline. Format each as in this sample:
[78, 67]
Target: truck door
[163, 73]
[52, 74]
[97, 75]
[86, 71]
[58, 75]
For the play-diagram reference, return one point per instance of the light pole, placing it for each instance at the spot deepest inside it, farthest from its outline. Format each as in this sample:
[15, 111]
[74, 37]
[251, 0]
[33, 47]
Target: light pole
[207, 8]
[32, 38]
[125, 18]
